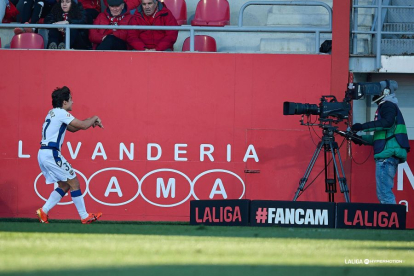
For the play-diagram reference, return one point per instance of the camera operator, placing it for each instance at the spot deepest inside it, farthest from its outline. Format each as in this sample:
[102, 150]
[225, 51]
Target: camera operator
[390, 140]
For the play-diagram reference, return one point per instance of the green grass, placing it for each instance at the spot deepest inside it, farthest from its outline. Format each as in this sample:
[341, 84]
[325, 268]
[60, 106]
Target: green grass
[107, 248]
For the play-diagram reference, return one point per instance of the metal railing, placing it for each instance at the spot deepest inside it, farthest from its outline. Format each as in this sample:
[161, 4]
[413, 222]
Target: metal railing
[376, 30]
[315, 30]
[194, 29]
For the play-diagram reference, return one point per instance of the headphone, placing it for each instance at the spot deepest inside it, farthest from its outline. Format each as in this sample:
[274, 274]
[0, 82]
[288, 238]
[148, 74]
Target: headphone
[387, 89]
[385, 92]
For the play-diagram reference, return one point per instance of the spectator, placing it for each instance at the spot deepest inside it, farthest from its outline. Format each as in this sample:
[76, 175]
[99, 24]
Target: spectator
[32, 11]
[8, 11]
[92, 9]
[67, 12]
[3, 6]
[105, 39]
[152, 13]
[131, 4]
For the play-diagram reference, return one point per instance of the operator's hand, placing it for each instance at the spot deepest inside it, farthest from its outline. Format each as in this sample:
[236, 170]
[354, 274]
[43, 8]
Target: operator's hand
[356, 127]
[357, 141]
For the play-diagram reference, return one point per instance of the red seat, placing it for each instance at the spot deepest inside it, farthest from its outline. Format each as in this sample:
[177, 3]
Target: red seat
[202, 43]
[212, 13]
[178, 9]
[27, 41]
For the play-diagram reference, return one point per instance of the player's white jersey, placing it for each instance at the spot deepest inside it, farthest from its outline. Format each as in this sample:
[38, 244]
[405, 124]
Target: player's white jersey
[54, 127]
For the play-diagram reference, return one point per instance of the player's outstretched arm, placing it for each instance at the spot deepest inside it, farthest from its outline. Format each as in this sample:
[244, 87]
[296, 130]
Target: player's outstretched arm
[72, 128]
[85, 124]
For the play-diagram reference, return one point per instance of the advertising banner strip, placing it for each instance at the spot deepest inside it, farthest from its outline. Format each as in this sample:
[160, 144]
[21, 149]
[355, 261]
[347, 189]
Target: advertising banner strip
[292, 214]
[297, 214]
[220, 212]
[366, 215]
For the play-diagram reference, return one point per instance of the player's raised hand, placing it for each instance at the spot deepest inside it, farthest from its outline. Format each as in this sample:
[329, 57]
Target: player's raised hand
[98, 123]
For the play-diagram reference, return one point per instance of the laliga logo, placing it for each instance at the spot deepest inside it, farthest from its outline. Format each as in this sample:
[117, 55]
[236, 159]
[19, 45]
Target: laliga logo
[157, 187]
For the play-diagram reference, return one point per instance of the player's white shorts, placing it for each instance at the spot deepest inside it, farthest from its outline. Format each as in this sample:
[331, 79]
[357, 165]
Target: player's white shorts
[54, 166]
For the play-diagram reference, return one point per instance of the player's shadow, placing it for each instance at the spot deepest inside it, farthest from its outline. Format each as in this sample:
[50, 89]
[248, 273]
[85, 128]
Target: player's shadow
[184, 229]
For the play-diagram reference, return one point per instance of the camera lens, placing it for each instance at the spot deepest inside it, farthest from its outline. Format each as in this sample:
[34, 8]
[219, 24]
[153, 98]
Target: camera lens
[290, 108]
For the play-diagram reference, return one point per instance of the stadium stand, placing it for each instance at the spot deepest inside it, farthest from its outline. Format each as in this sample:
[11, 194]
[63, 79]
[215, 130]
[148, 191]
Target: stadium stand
[263, 42]
[227, 42]
[27, 41]
[178, 9]
[202, 43]
[212, 13]
[396, 19]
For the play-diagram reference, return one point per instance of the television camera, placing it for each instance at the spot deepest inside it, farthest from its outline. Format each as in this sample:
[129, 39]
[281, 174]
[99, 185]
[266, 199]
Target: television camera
[332, 108]
[331, 111]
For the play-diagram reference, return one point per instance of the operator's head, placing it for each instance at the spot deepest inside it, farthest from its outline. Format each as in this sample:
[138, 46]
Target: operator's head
[62, 98]
[388, 88]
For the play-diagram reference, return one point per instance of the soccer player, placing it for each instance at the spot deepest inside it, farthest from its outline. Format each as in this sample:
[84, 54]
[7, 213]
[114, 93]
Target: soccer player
[54, 166]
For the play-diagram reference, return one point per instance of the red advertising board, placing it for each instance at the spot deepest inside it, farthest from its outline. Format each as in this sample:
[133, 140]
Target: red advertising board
[190, 126]
[178, 127]
[363, 180]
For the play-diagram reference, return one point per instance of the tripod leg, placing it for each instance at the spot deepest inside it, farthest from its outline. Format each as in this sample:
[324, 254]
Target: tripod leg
[342, 180]
[303, 180]
[330, 183]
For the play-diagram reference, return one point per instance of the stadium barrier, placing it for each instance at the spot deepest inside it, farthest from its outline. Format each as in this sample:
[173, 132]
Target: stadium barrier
[377, 28]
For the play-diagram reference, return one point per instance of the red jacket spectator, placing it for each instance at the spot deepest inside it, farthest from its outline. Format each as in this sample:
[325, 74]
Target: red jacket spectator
[91, 4]
[158, 15]
[131, 4]
[92, 9]
[96, 36]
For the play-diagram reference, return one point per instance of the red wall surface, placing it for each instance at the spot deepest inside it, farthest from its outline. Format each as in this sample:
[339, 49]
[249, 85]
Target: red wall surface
[215, 117]
[230, 104]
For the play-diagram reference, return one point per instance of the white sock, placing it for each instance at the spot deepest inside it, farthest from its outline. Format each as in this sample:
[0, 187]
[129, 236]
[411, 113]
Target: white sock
[53, 199]
[79, 203]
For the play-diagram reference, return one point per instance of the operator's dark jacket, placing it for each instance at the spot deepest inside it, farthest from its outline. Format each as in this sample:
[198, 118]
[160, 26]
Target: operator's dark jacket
[390, 133]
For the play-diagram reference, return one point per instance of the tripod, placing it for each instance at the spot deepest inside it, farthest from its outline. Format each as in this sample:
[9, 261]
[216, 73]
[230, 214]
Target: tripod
[329, 145]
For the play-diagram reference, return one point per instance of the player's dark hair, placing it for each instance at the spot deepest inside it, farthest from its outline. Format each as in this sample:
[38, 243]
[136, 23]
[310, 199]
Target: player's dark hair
[59, 95]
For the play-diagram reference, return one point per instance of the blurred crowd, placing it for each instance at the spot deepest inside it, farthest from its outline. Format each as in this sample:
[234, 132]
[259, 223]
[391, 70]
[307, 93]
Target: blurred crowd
[115, 12]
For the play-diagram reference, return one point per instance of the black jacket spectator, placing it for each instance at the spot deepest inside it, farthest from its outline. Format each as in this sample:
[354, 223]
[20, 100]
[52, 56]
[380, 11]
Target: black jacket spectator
[75, 15]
